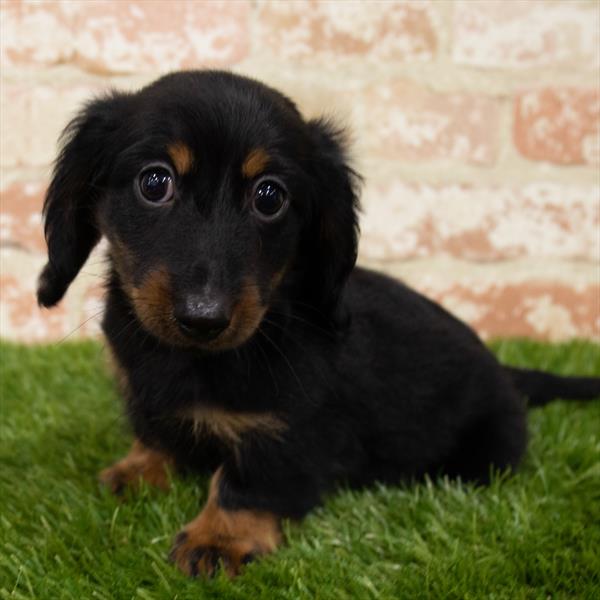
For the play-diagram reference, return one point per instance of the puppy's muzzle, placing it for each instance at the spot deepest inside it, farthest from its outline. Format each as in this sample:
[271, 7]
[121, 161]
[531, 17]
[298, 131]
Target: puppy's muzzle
[202, 317]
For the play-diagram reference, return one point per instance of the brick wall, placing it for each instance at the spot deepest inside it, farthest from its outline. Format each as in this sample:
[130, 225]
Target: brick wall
[476, 125]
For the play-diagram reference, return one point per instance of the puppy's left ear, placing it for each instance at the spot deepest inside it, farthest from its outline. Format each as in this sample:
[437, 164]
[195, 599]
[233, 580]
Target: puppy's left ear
[79, 176]
[332, 243]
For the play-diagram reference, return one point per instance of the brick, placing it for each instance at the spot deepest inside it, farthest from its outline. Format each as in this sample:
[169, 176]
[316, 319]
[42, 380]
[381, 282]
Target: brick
[92, 306]
[534, 298]
[558, 125]
[332, 31]
[400, 120]
[22, 319]
[20, 215]
[480, 223]
[36, 33]
[15, 122]
[33, 118]
[139, 36]
[77, 315]
[543, 310]
[518, 34]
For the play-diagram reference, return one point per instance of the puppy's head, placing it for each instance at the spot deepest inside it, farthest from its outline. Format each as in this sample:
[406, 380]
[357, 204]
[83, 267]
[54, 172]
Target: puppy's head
[211, 190]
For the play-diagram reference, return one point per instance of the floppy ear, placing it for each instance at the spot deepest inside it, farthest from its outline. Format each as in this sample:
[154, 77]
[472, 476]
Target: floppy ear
[80, 172]
[333, 231]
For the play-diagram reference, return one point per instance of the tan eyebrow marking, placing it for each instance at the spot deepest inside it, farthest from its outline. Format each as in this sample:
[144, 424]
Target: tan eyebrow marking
[255, 162]
[182, 157]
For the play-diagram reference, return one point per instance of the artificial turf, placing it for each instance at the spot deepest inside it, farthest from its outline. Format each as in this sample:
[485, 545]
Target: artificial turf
[532, 535]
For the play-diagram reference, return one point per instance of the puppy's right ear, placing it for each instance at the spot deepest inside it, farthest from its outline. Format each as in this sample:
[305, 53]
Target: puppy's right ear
[79, 178]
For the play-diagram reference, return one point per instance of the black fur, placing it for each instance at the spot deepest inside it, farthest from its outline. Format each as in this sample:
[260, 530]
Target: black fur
[372, 380]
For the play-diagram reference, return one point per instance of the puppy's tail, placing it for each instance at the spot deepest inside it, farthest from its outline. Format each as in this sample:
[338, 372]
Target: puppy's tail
[541, 388]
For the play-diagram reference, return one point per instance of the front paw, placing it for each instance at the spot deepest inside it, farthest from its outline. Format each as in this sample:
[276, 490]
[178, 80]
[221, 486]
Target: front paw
[141, 464]
[200, 554]
[231, 538]
[220, 536]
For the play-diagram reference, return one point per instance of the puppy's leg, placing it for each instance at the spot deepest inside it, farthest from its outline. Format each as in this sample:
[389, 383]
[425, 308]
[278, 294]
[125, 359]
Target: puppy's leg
[141, 463]
[233, 536]
[493, 443]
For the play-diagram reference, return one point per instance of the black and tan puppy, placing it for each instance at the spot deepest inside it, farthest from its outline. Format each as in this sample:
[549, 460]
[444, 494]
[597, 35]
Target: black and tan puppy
[250, 346]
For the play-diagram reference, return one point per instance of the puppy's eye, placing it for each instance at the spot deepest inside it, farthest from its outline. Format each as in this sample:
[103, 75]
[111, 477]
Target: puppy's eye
[269, 199]
[156, 185]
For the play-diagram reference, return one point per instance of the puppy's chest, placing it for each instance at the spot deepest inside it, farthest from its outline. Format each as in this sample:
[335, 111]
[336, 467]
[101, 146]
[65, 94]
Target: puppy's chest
[192, 407]
[229, 426]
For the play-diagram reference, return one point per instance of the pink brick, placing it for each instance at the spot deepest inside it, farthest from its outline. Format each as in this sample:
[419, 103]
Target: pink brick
[37, 33]
[480, 223]
[124, 37]
[544, 310]
[403, 121]
[20, 216]
[33, 119]
[22, 319]
[559, 125]
[330, 31]
[518, 34]
[92, 309]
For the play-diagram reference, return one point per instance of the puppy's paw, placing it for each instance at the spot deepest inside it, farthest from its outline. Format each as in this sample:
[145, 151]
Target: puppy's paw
[141, 464]
[197, 554]
[228, 538]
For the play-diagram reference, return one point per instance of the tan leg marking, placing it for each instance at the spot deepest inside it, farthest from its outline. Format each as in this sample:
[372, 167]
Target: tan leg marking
[232, 536]
[141, 463]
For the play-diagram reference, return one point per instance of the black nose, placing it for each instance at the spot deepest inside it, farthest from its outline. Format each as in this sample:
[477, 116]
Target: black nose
[200, 317]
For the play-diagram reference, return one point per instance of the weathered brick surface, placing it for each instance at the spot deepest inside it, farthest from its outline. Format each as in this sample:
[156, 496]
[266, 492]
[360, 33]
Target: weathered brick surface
[105, 36]
[20, 317]
[559, 125]
[331, 32]
[36, 33]
[404, 121]
[481, 223]
[537, 309]
[20, 215]
[533, 298]
[525, 34]
[140, 36]
[475, 124]
[33, 118]
[77, 315]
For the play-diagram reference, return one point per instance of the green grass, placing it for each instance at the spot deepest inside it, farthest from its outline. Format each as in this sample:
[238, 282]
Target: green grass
[533, 535]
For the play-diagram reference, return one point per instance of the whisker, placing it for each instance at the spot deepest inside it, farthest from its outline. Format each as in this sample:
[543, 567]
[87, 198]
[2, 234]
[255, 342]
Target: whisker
[79, 326]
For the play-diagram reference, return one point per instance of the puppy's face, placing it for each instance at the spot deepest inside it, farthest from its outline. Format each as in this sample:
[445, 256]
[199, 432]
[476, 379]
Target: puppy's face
[204, 210]
[211, 190]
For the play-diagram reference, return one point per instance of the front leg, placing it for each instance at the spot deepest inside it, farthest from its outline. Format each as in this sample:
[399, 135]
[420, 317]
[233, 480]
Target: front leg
[141, 463]
[233, 536]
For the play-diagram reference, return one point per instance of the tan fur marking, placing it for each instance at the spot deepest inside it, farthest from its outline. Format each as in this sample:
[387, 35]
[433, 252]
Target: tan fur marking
[229, 426]
[141, 463]
[182, 157]
[255, 163]
[231, 534]
[153, 305]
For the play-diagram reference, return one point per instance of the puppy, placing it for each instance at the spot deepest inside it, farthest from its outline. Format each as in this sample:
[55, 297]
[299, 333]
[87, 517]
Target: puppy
[249, 345]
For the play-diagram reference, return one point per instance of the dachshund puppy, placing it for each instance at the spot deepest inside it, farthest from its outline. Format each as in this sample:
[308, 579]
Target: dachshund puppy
[249, 345]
